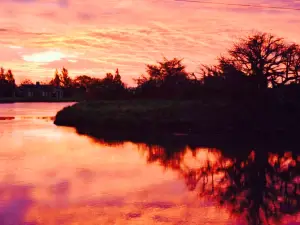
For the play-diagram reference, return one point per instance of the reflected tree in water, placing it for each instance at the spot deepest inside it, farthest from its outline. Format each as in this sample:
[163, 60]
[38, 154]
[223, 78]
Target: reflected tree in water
[262, 187]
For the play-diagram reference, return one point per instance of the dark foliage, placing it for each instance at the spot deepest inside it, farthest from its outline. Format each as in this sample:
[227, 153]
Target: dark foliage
[7, 83]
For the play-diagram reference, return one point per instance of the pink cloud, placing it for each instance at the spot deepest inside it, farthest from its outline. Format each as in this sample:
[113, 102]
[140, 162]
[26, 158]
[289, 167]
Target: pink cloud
[9, 54]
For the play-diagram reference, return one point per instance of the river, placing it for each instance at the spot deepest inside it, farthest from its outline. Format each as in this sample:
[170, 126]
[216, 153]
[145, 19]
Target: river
[52, 175]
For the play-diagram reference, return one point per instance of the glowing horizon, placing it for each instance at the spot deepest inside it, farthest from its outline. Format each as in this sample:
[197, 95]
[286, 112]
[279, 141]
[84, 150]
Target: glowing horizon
[95, 37]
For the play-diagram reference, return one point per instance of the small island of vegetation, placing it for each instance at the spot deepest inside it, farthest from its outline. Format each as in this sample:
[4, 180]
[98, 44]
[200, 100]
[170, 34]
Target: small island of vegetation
[254, 89]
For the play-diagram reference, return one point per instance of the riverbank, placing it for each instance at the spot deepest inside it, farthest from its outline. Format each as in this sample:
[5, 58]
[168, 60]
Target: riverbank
[16, 100]
[257, 117]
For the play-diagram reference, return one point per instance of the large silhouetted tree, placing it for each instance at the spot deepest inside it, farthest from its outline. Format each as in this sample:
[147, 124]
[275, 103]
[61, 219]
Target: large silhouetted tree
[253, 64]
[266, 58]
[167, 78]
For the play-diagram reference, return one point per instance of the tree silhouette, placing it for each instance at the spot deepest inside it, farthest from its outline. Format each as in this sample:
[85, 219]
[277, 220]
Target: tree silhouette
[7, 83]
[10, 77]
[268, 59]
[83, 81]
[62, 79]
[66, 81]
[109, 87]
[167, 78]
[56, 81]
[26, 82]
[2, 74]
[117, 77]
[292, 64]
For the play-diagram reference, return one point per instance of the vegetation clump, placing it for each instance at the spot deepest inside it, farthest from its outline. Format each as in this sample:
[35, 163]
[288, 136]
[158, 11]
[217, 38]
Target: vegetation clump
[254, 88]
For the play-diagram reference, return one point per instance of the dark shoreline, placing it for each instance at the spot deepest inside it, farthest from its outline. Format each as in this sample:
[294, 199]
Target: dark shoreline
[231, 142]
[197, 124]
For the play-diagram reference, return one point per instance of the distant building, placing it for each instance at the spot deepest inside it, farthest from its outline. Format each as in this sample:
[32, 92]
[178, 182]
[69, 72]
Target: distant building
[40, 91]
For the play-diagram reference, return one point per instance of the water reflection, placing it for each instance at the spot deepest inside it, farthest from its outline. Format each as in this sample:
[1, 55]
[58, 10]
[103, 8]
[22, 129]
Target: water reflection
[15, 201]
[52, 175]
[48, 118]
[261, 187]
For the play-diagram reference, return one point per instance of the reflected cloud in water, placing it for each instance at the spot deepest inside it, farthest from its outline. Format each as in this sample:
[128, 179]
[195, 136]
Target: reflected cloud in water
[47, 118]
[15, 200]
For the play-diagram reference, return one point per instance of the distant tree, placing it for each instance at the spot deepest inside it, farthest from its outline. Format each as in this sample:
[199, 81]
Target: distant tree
[167, 70]
[117, 77]
[110, 87]
[2, 82]
[65, 78]
[7, 83]
[109, 77]
[107, 82]
[167, 78]
[2, 73]
[82, 81]
[10, 77]
[26, 81]
[226, 75]
[45, 82]
[56, 81]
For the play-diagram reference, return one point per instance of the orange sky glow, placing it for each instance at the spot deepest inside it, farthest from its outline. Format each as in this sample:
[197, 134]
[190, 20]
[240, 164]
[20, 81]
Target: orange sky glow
[97, 36]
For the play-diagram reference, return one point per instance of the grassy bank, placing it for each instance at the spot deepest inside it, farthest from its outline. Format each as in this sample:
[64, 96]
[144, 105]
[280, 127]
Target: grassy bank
[15, 100]
[193, 117]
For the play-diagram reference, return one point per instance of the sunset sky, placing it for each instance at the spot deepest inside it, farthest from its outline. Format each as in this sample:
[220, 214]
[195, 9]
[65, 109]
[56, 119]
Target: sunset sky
[97, 36]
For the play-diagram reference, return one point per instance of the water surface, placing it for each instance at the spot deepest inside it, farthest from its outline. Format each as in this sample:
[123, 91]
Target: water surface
[52, 175]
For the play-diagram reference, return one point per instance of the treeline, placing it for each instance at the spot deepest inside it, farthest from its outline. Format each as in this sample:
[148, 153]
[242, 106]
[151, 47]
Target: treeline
[7, 83]
[258, 64]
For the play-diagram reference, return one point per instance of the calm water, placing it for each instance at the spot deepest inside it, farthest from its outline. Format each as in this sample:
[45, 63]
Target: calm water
[52, 175]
